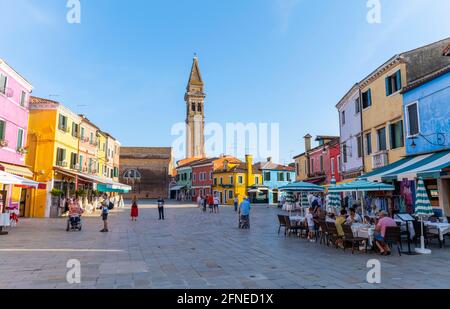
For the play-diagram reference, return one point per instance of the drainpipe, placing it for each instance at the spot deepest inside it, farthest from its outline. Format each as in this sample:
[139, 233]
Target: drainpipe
[362, 132]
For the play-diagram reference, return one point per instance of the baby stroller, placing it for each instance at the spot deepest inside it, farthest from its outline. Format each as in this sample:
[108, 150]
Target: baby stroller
[244, 221]
[74, 223]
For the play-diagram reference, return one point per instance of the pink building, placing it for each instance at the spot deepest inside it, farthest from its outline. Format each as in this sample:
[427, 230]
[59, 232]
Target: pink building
[323, 160]
[14, 94]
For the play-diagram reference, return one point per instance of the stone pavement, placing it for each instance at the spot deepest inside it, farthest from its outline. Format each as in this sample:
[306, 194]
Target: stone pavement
[195, 250]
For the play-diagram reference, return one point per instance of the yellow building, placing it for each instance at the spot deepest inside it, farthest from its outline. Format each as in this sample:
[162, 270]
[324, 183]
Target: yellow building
[382, 102]
[53, 152]
[101, 168]
[301, 167]
[234, 178]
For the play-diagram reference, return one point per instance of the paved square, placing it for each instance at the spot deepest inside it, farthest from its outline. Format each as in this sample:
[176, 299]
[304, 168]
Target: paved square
[191, 249]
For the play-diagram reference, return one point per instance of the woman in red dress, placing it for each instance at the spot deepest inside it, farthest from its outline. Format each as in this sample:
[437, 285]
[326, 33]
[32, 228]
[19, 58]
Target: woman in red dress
[134, 209]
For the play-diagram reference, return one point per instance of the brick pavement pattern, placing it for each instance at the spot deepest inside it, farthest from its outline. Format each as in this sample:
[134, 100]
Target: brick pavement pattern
[191, 249]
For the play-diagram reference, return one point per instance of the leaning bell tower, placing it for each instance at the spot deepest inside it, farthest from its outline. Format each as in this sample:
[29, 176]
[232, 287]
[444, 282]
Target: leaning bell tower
[195, 113]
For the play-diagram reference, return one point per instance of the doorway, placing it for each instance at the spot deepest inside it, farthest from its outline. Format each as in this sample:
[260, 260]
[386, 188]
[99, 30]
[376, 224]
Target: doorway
[23, 202]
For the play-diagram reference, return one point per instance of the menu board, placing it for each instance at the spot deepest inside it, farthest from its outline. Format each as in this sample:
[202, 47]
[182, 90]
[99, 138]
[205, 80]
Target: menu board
[405, 217]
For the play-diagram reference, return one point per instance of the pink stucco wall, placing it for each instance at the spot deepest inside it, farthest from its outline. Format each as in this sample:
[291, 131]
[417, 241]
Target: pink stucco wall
[15, 117]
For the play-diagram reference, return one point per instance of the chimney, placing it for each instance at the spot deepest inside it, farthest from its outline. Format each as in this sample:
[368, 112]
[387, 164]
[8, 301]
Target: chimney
[269, 159]
[307, 138]
[249, 165]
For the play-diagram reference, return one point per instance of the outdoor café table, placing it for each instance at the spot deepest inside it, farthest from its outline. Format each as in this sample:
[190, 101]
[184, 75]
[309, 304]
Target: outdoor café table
[297, 219]
[363, 230]
[440, 228]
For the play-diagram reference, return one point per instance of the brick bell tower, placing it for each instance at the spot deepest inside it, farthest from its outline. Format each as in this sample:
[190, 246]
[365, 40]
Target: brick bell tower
[195, 113]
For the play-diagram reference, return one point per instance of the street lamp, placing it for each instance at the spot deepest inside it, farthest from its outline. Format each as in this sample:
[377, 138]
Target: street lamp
[440, 139]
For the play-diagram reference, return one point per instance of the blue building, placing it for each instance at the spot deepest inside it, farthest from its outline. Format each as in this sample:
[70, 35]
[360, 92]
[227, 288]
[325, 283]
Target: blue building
[275, 176]
[426, 104]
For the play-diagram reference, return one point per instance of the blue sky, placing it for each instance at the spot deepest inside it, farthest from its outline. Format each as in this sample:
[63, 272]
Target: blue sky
[289, 61]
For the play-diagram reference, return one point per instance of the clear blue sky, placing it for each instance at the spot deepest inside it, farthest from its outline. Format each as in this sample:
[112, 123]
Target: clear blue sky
[126, 65]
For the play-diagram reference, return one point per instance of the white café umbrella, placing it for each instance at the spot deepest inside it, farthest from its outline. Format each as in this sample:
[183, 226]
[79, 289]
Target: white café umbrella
[423, 209]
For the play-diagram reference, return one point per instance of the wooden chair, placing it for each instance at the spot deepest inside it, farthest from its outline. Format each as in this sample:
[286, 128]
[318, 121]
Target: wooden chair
[349, 238]
[282, 222]
[393, 236]
[291, 228]
[426, 233]
[333, 235]
[323, 232]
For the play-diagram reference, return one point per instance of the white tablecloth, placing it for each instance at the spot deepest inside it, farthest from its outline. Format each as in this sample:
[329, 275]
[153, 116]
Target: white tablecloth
[297, 219]
[363, 230]
[438, 228]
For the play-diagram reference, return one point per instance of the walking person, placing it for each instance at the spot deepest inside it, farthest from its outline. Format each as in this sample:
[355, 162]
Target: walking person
[161, 208]
[134, 209]
[211, 202]
[216, 204]
[205, 202]
[104, 206]
[236, 204]
[244, 213]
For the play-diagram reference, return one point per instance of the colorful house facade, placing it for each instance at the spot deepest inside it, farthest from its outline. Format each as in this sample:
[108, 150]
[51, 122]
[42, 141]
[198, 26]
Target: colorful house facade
[350, 124]
[301, 166]
[275, 176]
[382, 102]
[14, 97]
[323, 160]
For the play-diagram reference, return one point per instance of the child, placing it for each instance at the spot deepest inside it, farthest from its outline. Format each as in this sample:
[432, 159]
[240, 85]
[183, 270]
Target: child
[310, 220]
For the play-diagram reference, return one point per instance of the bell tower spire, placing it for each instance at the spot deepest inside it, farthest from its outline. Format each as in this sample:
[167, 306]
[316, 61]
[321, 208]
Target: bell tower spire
[195, 113]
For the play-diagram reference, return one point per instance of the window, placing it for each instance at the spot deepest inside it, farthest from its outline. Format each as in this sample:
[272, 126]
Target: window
[412, 115]
[266, 176]
[23, 98]
[357, 106]
[332, 166]
[215, 181]
[90, 165]
[381, 139]
[393, 83]
[81, 162]
[312, 166]
[257, 180]
[62, 123]
[73, 160]
[344, 152]
[91, 138]
[280, 176]
[190, 176]
[82, 133]
[367, 99]
[321, 163]
[240, 179]
[210, 175]
[60, 156]
[199, 107]
[230, 194]
[368, 143]
[19, 139]
[297, 168]
[339, 163]
[396, 134]
[193, 176]
[359, 145]
[221, 180]
[231, 180]
[193, 106]
[3, 82]
[288, 176]
[306, 166]
[2, 130]
[343, 117]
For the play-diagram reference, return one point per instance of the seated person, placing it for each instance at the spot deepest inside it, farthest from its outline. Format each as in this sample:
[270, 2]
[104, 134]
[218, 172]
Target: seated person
[340, 220]
[75, 212]
[320, 214]
[380, 231]
[354, 217]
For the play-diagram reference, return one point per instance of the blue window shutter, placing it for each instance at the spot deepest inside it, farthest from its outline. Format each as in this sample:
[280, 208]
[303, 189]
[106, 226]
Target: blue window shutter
[399, 80]
[388, 85]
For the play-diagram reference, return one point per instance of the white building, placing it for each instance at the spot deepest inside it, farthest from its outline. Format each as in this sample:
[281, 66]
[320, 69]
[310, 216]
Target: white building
[349, 109]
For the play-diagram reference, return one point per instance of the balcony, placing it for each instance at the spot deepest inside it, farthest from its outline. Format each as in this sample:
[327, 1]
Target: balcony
[61, 163]
[75, 167]
[380, 159]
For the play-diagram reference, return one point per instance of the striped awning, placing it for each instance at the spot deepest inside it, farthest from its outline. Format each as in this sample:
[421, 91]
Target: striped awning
[432, 165]
[18, 170]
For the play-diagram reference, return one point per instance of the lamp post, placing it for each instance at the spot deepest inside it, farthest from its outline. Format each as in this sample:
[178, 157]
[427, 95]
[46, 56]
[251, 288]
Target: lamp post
[440, 139]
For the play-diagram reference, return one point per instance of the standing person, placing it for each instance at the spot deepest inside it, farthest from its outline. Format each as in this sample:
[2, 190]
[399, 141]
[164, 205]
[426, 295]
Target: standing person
[134, 209]
[236, 203]
[310, 220]
[244, 210]
[199, 200]
[105, 205]
[205, 202]
[161, 208]
[216, 204]
[211, 202]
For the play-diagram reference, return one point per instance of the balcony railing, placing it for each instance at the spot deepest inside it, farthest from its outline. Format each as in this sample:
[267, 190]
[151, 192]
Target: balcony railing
[380, 159]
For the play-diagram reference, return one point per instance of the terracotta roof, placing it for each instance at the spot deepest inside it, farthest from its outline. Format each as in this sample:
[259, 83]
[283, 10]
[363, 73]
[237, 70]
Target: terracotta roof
[273, 166]
[36, 100]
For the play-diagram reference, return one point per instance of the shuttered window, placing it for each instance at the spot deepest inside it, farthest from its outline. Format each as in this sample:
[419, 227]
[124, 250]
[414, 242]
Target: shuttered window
[2, 130]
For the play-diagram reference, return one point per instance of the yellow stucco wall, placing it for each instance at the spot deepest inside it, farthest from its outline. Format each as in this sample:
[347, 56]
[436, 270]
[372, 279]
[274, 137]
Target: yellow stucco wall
[384, 110]
[101, 153]
[238, 189]
[302, 171]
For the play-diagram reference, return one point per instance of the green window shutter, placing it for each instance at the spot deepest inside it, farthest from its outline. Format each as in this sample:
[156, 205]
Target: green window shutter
[2, 130]
[19, 138]
[399, 80]
[369, 97]
[388, 85]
